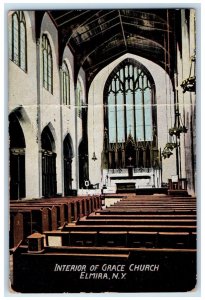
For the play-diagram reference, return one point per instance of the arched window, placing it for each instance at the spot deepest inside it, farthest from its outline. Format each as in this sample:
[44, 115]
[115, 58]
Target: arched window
[47, 64]
[130, 116]
[18, 47]
[65, 84]
[79, 98]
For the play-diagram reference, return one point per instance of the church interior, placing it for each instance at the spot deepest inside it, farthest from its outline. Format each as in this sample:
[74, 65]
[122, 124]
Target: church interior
[102, 149]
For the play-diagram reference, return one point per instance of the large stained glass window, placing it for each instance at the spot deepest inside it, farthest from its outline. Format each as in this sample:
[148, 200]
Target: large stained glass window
[130, 115]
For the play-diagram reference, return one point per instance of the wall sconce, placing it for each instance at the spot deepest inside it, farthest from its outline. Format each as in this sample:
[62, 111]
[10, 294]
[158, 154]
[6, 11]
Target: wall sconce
[94, 157]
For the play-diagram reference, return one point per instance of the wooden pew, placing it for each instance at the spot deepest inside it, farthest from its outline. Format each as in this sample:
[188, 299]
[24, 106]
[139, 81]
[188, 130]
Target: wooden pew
[53, 218]
[79, 211]
[165, 200]
[145, 239]
[55, 212]
[172, 205]
[133, 239]
[17, 230]
[112, 238]
[156, 198]
[78, 238]
[24, 221]
[127, 211]
[173, 239]
[144, 221]
[182, 207]
[98, 216]
[62, 209]
[142, 227]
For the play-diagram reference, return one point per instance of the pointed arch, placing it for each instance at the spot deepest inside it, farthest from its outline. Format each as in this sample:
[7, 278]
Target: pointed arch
[67, 158]
[18, 40]
[49, 185]
[17, 158]
[83, 163]
[47, 64]
[130, 115]
[65, 84]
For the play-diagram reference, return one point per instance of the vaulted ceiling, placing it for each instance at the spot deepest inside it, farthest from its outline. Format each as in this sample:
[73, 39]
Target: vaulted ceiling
[97, 37]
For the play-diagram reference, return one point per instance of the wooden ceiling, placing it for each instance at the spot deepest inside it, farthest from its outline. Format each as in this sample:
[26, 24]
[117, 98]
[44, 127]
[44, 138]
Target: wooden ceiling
[97, 37]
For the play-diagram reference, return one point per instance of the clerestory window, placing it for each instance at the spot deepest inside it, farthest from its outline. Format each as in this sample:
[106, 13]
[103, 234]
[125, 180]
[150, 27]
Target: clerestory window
[18, 44]
[79, 96]
[65, 85]
[47, 64]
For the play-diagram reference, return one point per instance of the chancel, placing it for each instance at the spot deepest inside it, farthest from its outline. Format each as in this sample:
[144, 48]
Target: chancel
[102, 149]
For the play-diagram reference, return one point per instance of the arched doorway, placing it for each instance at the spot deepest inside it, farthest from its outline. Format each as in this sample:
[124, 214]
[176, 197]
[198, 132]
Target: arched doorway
[83, 163]
[49, 186]
[17, 159]
[67, 157]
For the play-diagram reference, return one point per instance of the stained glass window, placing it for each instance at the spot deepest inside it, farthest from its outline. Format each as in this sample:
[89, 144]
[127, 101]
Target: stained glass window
[17, 40]
[79, 98]
[130, 116]
[47, 64]
[65, 85]
[130, 105]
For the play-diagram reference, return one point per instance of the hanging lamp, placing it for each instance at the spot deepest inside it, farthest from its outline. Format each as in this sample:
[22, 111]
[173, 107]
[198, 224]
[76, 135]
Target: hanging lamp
[189, 84]
[179, 128]
[94, 157]
[170, 145]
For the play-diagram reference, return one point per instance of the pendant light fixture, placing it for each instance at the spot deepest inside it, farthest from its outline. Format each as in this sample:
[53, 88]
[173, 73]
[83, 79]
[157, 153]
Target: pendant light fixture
[94, 158]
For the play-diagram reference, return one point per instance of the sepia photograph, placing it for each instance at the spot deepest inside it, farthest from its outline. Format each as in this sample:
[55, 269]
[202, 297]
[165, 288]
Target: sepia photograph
[102, 150]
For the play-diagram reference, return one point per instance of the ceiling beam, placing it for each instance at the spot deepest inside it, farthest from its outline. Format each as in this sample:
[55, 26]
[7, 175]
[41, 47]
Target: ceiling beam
[141, 19]
[123, 33]
[98, 47]
[147, 12]
[111, 11]
[109, 58]
[82, 24]
[143, 39]
[77, 16]
[63, 15]
[94, 35]
[144, 26]
[99, 31]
